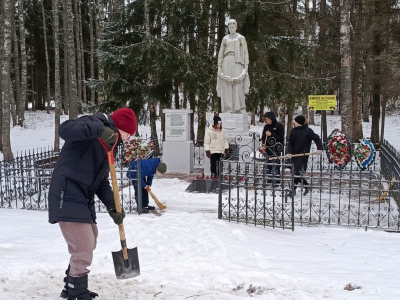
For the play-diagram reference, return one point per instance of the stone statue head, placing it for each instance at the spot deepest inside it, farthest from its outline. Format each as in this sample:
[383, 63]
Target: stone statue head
[232, 26]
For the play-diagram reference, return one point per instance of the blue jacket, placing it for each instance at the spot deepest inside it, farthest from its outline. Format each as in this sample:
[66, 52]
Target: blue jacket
[81, 171]
[148, 169]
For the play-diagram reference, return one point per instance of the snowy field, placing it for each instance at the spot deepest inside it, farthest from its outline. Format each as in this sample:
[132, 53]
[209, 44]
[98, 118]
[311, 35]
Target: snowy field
[188, 253]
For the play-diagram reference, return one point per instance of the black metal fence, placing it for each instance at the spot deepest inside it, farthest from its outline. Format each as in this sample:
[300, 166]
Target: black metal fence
[350, 196]
[25, 181]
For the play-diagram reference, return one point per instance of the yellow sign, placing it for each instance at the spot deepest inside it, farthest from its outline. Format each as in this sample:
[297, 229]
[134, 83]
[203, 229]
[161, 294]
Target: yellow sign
[322, 102]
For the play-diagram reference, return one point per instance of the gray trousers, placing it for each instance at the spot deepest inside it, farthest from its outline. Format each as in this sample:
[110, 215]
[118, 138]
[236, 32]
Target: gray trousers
[81, 239]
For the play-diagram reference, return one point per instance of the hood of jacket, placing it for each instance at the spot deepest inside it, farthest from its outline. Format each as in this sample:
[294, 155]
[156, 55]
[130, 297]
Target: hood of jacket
[270, 115]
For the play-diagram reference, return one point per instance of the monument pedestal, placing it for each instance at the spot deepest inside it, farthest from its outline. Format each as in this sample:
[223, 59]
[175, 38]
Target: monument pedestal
[178, 150]
[178, 156]
[235, 124]
[240, 142]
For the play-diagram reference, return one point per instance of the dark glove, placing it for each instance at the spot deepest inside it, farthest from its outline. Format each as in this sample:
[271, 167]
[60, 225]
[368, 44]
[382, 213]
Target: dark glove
[208, 153]
[226, 151]
[108, 135]
[117, 217]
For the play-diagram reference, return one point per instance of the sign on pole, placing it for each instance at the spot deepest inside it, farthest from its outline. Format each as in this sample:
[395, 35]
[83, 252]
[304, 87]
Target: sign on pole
[322, 102]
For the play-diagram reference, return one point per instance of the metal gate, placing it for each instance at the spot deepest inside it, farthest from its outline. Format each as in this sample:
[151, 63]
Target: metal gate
[259, 193]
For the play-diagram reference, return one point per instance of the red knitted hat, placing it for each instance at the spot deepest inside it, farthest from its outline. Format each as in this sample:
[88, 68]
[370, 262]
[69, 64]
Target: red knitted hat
[125, 119]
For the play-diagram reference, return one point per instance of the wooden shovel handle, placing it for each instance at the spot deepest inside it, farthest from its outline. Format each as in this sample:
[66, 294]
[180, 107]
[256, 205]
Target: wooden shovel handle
[118, 209]
[294, 155]
[117, 202]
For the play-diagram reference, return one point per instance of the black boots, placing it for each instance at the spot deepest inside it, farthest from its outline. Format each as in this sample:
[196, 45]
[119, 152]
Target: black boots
[76, 288]
[290, 194]
[64, 292]
[306, 191]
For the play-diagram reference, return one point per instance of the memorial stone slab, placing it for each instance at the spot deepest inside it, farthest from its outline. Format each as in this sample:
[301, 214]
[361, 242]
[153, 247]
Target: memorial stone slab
[177, 124]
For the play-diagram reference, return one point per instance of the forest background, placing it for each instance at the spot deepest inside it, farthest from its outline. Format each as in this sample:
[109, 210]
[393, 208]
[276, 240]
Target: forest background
[86, 56]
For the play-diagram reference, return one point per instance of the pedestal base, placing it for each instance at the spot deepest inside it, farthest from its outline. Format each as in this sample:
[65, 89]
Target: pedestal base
[235, 124]
[178, 156]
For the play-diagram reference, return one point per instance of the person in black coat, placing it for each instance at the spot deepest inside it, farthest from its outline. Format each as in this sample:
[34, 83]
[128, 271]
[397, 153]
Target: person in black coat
[81, 172]
[272, 135]
[300, 140]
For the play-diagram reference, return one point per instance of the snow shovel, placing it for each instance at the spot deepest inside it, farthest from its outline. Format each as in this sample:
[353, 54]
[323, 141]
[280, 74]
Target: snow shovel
[126, 261]
[294, 155]
[384, 194]
[159, 204]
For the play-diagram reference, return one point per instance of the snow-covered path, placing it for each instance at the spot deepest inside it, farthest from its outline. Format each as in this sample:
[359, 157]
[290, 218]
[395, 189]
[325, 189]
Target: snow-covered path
[187, 253]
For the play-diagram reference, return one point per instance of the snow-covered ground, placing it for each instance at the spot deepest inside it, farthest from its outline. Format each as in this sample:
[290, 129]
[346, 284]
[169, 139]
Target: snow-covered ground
[188, 253]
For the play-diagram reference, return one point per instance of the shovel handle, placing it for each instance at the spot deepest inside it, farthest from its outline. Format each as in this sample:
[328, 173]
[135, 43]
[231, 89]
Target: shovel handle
[117, 202]
[294, 155]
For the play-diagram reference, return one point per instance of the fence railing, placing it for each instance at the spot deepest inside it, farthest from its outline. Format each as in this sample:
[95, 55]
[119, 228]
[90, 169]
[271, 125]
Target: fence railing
[25, 181]
[390, 167]
[351, 196]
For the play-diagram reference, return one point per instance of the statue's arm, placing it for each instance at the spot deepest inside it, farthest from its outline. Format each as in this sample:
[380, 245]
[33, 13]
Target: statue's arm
[245, 52]
[221, 56]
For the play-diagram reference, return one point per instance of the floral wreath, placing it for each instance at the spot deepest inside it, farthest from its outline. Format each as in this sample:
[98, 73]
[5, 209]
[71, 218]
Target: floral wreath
[136, 148]
[339, 149]
[364, 154]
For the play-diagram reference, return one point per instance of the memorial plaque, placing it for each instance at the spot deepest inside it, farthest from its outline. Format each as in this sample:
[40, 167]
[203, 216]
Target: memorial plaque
[177, 125]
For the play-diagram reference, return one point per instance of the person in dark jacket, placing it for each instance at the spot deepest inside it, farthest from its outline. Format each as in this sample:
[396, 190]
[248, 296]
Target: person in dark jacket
[273, 137]
[81, 172]
[148, 168]
[300, 140]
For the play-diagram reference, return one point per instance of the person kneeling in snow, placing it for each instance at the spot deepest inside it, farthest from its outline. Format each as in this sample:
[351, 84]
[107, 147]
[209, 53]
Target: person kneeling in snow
[149, 167]
[81, 173]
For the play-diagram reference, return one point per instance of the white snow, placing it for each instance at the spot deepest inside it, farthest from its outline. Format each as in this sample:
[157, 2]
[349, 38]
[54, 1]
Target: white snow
[188, 253]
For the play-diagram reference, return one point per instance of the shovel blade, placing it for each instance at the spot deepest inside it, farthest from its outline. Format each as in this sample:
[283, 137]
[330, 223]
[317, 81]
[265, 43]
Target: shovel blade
[126, 268]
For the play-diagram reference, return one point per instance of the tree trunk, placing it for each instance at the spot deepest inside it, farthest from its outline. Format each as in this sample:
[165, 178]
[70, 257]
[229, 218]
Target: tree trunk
[322, 53]
[192, 103]
[385, 86]
[79, 54]
[376, 92]
[57, 88]
[221, 34]
[201, 115]
[82, 49]
[100, 28]
[24, 65]
[357, 78]
[66, 99]
[1, 74]
[47, 59]
[6, 89]
[203, 42]
[176, 94]
[345, 96]
[16, 70]
[282, 113]
[73, 96]
[313, 25]
[289, 124]
[91, 30]
[152, 103]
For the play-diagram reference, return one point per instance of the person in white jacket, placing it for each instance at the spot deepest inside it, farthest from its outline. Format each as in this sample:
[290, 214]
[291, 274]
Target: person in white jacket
[215, 144]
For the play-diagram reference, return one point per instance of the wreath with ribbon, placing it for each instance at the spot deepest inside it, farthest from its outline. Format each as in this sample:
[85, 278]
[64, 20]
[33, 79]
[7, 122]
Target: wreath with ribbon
[136, 148]
[364, 154]
[339, 149]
